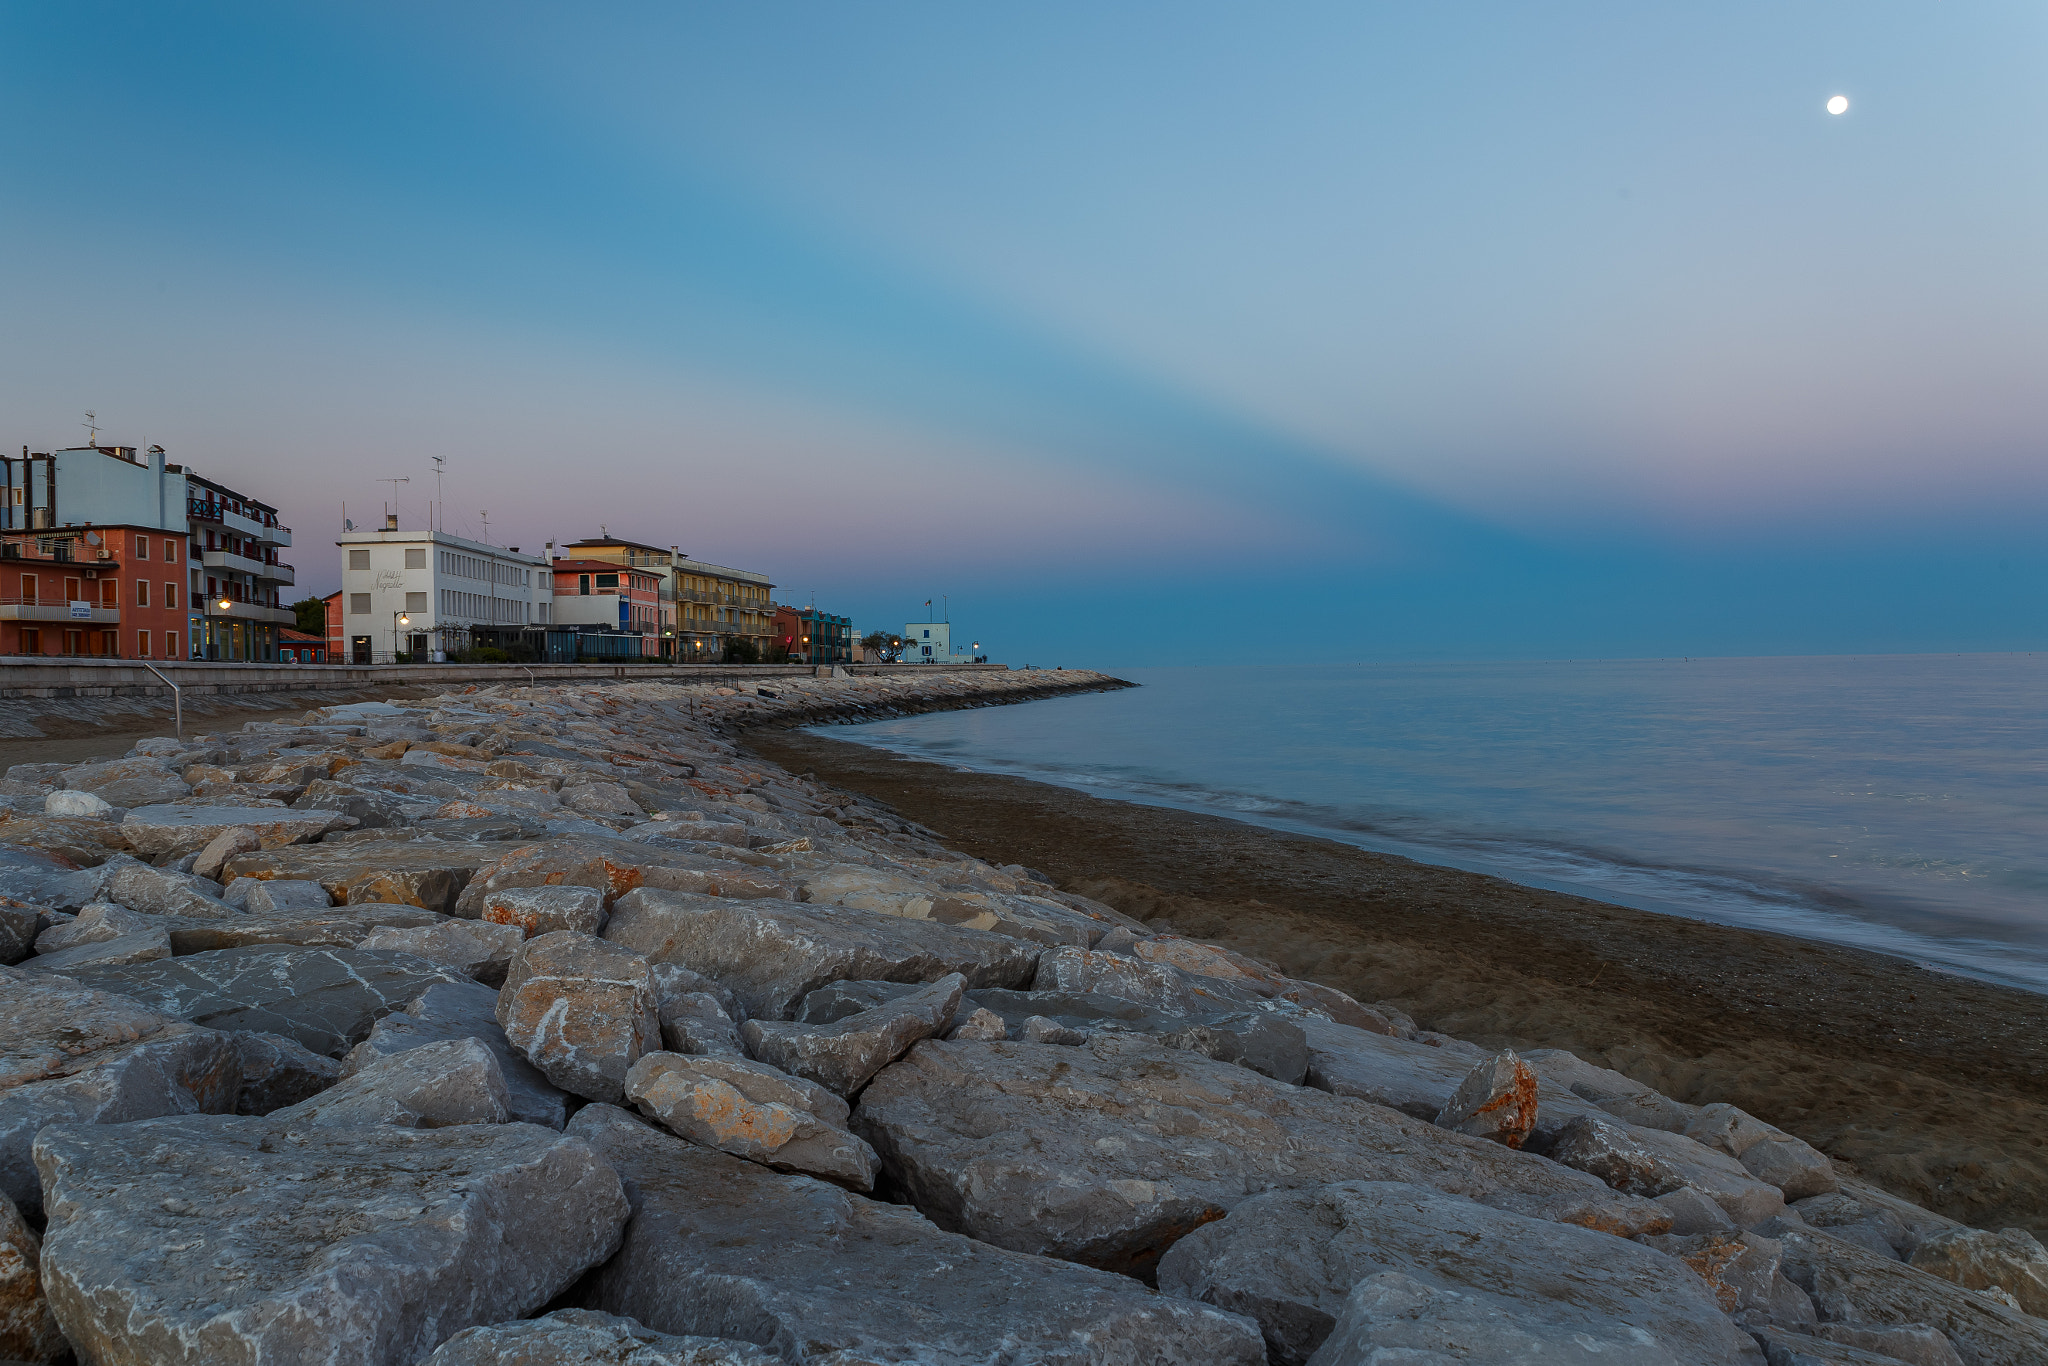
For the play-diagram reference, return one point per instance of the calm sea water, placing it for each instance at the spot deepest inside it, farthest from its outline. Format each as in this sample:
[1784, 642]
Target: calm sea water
[1898, 803]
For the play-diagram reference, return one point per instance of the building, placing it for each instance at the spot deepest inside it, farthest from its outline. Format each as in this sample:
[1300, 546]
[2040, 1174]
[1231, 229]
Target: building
[933, 642]
[296, 647]
[426, 595]
[112, 592]
[705, 608]
[807, 636]
[608, 597]
[224, 542]
[335, 653]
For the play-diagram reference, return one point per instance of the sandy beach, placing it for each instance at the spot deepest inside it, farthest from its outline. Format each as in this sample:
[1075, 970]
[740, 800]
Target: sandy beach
[1933, 1086]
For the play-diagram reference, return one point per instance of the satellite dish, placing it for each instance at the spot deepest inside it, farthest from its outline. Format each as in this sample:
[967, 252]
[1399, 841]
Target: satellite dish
[92, 538]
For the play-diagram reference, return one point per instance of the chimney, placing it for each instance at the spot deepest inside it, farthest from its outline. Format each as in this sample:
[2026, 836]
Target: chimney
[391, 521]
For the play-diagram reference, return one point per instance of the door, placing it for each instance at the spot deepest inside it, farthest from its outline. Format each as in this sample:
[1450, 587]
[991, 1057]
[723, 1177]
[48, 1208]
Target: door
[359, 649]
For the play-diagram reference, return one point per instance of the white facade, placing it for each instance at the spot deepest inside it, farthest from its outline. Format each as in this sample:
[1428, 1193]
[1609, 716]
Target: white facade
[427, 592]
[931, 642]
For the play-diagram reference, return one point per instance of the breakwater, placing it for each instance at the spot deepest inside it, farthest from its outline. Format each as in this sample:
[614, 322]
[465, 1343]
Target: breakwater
[565, 999]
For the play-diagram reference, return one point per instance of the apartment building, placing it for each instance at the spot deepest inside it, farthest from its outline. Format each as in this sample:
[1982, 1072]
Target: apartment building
[807, 636]
[124, 518]
[933, 642]
[704, 607]
[427, 594]
[606, 597]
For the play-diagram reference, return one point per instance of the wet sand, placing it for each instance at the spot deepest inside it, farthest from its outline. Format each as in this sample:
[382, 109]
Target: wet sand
[1933, 1086]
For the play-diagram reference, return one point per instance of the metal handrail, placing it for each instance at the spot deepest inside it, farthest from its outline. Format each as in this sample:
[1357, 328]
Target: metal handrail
[177, 696]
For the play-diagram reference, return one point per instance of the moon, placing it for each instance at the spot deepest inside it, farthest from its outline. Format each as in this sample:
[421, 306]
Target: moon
[1838, 104]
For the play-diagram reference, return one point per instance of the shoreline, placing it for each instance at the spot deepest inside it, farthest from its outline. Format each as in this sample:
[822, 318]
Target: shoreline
[1932, 1085]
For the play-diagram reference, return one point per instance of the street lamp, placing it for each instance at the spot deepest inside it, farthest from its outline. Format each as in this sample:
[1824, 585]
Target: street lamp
[398, 619]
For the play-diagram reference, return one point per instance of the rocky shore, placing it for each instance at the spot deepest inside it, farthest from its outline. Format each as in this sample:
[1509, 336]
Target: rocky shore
[548, 1025]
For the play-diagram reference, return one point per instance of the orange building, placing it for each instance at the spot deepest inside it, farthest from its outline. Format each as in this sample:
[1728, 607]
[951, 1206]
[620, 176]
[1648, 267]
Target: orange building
[113, 592]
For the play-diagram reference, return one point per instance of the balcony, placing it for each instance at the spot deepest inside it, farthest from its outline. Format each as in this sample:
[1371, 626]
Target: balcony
[45, 609]
[246, 611]
[278, 573]
[234, 564]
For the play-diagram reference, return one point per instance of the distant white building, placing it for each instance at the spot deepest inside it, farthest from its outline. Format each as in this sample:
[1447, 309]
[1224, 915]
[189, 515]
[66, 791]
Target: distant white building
[424, 593]
[931, 642]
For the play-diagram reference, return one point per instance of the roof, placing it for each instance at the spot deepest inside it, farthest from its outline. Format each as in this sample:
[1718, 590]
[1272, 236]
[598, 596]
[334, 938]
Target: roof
[661, 550]
[287, 633]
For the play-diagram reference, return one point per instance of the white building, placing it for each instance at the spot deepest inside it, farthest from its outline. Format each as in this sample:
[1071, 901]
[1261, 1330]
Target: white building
[931, 642]
[426, 593]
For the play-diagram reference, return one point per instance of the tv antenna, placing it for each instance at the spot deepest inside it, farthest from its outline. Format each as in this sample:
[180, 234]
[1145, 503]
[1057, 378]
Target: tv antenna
[92, 424]
[439, 461]
[484, 514]
[394, 482]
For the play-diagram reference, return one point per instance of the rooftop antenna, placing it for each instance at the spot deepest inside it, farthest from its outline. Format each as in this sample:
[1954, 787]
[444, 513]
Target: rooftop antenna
[92, 424]
[433, 523]
[394, 481]
[485, 514]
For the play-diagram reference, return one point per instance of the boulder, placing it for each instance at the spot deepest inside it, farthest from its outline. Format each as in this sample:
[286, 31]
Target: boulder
[1160, 986]
[372, 809]
[1039, 1029]
[153, 831]
[1914, 1343]
[472, 947]
[694, 1022]
[159, 891]
[144, 946]
[339, 927]
[1742, 1270]
[35, 877]
[1495, 1101]
[771, 954]
[95, 924]
[581, 1009]
[1691, 1212]
[325, 998]
[1623, 1097]
[448, 1010]
[65, 802]
[1652, 1162]
[240, 839]
[541, 910]
[1803, 1347]
[28, 1330]
[1850, 1284]
[72, 1055]
[277, 1072]
[981, 1026]
[416, 873]
[1108, 1153]
[454, 1081]
[1259, 1039]
[843, 1055]
[1418, 1079]
[616, 867]
[2012, 1260]
[128, 782]
[574, 1337]
[259, 897]
[727, 1248]
[1289, 1259]
[400, 1239]
[755, 1111]
[1796, 1168]
[18, 926]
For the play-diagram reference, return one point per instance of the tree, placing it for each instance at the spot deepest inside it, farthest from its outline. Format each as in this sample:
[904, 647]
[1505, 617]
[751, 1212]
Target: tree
[740, 650]
[878, 641]
[312, 616]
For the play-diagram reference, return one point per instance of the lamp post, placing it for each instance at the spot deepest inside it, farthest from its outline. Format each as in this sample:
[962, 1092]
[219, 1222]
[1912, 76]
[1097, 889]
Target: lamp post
[226, 604]
[398, 619]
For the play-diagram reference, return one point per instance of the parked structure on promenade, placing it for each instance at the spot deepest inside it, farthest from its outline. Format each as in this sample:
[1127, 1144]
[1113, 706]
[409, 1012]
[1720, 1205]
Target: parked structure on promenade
[807, 636]
[704, 609]
[428, 594]
[118, 553]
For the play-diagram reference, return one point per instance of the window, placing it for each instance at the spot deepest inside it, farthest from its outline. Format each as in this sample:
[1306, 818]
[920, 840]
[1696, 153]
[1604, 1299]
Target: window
[415, 602]
[171, 596]
[415, 559]
[31, 641]
[28, 590]
[608, 581]
[142, 552]
[142, 645]
[170, 645]
[358, 559]
[142, 592]
[110, 593]
[583, 585]
[359, 604]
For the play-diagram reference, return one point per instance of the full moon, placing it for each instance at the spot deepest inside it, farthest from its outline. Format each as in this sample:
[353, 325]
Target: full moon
[1838, 104]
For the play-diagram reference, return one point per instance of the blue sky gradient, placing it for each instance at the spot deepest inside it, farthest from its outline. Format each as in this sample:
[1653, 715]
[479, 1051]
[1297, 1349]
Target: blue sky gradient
[1148, 333]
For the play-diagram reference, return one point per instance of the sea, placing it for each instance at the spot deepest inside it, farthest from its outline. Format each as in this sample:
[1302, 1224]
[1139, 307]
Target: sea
[1895, 803]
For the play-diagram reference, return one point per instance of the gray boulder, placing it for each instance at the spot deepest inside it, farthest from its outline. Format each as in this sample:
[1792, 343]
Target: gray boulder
[277, 1072]
[326, 999]
[583, 1337]
[2012, 1260]
[1767, 1153]
[158, 891]
[1623, 1097]
[128, 782]
[405, 1237]
[1652, 1162]
[65, 802]
[981, 1026]
[771, 954]
[1161, 986]
[542, 910]
[581, 1009]
[144, 946]
[153, 831]
[1850, 1284]
[1803, 1347]
[448, 1010]
[72, 1055]
[260, 897]
[95, 924]
[471, 947]
[344, 927]
[455, 1081]
[727, 1248]
[1419, 1079]
[1289, 1259]
[1259, 1039]
[843, 1055]
[28, 1330]
[1107, 1153]
[694, 1022]
[752, 1110]
[19, 924]
[1916, 1344]
[239, 839]
[429, 873]
[1744, 1272]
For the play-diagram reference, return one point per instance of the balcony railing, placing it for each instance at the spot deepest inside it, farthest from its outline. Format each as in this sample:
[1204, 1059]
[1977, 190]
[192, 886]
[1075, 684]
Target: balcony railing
[204, 510]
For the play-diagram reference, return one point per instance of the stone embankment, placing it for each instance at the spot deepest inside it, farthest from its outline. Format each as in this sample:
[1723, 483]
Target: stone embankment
[541, 1025]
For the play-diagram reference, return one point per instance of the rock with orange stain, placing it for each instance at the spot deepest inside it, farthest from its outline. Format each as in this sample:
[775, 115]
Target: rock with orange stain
[582, 1010]
[755, 1111]
[1496, 1101]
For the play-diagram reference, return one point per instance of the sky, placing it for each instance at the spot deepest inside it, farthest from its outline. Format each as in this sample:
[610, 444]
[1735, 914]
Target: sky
[1134, 334]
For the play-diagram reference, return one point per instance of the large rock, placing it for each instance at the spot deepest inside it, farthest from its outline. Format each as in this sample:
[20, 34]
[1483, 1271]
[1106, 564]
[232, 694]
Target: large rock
[128, 782]
[1161, 986]
[1767, 1153]
[1915, 1344]
[582, 1010]
[1290, 1258]
[755, 1111]
[455, 1081]
[95, 924]
[1744, 1272]
[19, 924]
[616, 867]
[339, 1246]
[583, 1337]
[1652, 1162]
[157, 830]
[448, 1010]
[2011, 1260]
[1417, 1078]
[238, 839]
[421, 873]
[727, 1248]
[471, 947]
[260, 897]
[340, 927]
[72, 1055]
[1108, 1153]
[1259, 1039]
[1496, 1100]
[65, 802]
[1850, 1284]
[144, 946]
[541, 910]
[28, 1330]
[843, 1055]
[325, 998]
[277, 1072]
[158, 891]
[35, 877]
[771, 954]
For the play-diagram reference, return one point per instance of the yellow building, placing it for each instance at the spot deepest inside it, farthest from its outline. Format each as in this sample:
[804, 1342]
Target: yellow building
[704, 607]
